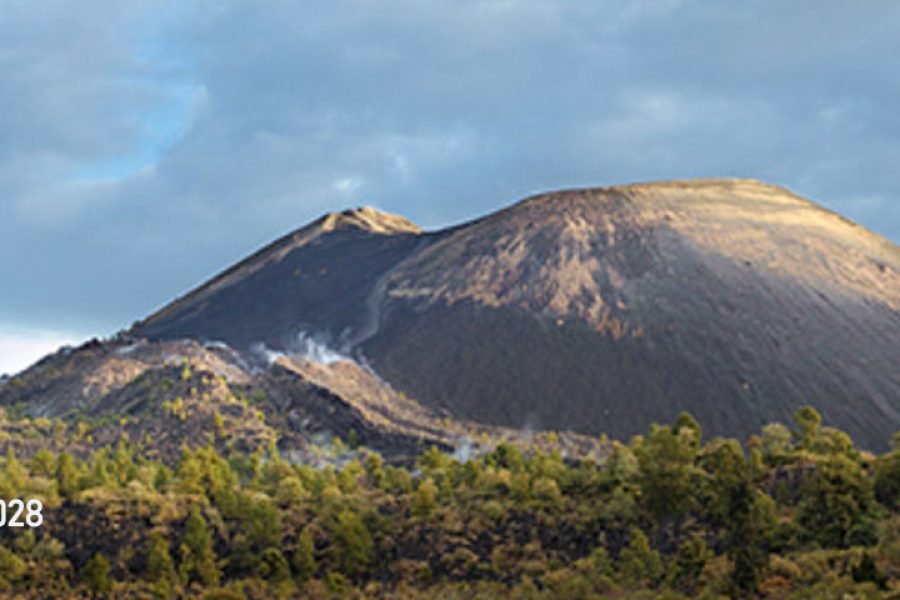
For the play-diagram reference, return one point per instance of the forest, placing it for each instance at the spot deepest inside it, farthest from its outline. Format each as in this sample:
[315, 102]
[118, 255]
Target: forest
[796, 511]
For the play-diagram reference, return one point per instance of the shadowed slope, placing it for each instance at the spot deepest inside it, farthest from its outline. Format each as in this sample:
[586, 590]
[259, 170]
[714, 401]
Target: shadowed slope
[318, 278]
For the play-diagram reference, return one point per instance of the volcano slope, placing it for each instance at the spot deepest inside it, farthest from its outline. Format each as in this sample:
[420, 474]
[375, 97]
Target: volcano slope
[596, 310]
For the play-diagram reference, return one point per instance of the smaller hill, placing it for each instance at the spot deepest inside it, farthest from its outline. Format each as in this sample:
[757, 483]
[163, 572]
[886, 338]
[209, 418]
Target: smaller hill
[163, 395]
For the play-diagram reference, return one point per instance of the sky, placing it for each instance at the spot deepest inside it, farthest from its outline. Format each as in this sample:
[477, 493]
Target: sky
[146, 145]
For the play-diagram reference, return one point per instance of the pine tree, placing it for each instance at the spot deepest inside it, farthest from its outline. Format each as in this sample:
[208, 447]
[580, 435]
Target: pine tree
[304, 557]
[808, 421]
[123, 461]
[686, 421]
[746, 547]
[66, 475]
[273, 566]
[160, 568]
[43, 463]
[290, 492]
[199, 545]
[162, 478]
[425, 499]
[838, 504]
[887, 479]
[14, 474]
[96, 574]
[353, 543]
[263, 524]
[638, 562]
[12, 567]
[666, 471]
[689, 562]
[509, 457]
[374, 466]
[190, 474]
[99, 469]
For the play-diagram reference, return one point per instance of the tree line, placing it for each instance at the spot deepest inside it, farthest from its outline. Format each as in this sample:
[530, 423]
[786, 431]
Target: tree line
[796, 511]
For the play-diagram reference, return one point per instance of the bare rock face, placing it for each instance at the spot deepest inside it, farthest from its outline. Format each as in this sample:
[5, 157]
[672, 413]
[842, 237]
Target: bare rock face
[597, 310]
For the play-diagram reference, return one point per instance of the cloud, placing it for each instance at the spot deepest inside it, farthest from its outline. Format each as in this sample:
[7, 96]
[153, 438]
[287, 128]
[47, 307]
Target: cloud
[21, 348]
[146, 145]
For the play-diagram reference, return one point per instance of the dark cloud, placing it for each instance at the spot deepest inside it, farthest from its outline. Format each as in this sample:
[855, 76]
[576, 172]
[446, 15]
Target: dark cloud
[143, 146]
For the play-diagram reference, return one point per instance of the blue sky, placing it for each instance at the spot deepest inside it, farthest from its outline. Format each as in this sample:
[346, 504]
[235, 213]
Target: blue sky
[146, 145]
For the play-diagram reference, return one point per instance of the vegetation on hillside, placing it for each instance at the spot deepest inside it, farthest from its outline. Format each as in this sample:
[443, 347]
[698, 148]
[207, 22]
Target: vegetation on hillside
[796, 512]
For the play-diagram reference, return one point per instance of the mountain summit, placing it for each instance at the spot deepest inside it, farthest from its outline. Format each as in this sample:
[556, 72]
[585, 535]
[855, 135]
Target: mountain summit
[595, 310]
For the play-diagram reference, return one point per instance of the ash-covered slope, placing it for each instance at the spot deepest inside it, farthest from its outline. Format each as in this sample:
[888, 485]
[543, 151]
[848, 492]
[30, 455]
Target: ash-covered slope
[597, 310]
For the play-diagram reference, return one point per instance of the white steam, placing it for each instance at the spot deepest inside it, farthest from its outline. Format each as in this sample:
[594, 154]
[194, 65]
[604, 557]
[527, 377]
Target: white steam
[315, 349]
[465, 451]
[216, 345]
[265, 353]
[130, 348]
[311, 347]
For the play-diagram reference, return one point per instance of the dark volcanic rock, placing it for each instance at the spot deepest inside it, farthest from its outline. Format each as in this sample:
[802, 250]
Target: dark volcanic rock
[597, 310]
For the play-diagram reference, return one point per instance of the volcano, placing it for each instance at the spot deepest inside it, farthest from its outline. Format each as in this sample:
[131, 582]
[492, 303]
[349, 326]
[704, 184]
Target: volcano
[591, 310]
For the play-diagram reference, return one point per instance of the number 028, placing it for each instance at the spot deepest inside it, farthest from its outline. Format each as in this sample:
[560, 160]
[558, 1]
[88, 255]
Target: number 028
[14, 509]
